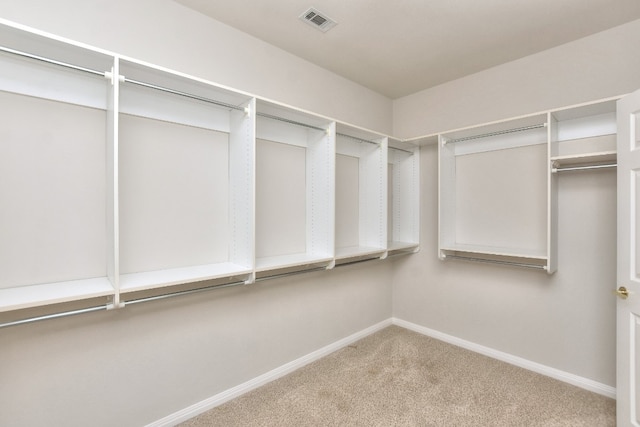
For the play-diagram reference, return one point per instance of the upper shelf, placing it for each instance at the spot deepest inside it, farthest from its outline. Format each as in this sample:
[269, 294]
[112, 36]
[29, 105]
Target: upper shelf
[586, 121]
[583, 137]
[530, 130]
[574, 160]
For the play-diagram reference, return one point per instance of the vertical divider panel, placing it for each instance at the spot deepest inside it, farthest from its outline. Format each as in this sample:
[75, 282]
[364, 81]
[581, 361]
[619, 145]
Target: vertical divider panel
[113, 233]
[242, 176]
[321, 184]
[446, 199]
[409, 220]
[373, 195]
[414, 211]
[553, 135]
[552, 196]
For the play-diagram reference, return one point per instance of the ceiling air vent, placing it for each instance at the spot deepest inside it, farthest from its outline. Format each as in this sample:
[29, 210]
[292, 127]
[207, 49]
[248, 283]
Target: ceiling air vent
[318, 20]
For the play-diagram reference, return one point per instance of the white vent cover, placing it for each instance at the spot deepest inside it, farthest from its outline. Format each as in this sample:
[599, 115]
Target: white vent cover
[318, 20]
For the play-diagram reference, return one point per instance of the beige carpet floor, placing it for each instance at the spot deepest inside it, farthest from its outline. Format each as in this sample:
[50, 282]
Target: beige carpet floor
[397, 377]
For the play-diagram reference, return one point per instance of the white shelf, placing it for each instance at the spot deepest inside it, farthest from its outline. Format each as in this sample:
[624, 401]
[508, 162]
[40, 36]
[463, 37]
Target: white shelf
[361, 189]
[54, 172]
[39, 79]
[494, 200]
[295, 187]
[186, 192]
[53, 293]
[289, 261]
[495, 251]
[585, 159]
[584, 121]
[402, 246]
[509, 134]
[584, 134]
[176, 276]
[358, 251]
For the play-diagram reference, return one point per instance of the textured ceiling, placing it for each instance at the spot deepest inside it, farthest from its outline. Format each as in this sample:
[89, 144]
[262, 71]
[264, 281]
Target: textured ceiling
[403, 46]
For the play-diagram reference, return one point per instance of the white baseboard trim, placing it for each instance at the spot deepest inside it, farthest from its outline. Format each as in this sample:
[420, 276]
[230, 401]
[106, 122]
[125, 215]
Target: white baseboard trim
[557, 374]
[232, 393]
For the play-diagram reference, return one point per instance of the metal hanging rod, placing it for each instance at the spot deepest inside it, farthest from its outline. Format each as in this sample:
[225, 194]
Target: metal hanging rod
[184, 94]
[501, 132]
[400, 149]
[291, 273]
[583, 168]
[345, 264]
[357, 139]
[52, 61]
[181, 293]
[53, 316]
[491, 261]
[293, 122]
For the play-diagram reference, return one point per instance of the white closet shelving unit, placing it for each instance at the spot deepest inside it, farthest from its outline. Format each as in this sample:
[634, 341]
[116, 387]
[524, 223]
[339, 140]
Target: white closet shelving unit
[498, 182]
[186, 162]
[584, 137]
[295, 188]
[124, 182]
[495, 194]
[403, 206]
[120, 178]
[361, 195]
[55, 233]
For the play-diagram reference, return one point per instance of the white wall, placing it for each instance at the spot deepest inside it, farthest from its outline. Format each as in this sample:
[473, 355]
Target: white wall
[567, 320]
[591, 68]
[134, 366]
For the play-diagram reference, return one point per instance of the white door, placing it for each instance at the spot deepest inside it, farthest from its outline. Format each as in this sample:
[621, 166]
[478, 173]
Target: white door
[628, 286]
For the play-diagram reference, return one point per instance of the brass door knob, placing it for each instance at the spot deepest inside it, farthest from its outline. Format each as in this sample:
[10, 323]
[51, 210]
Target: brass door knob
[622, 292]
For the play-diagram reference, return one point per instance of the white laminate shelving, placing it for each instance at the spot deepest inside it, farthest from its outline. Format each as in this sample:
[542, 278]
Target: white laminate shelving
[583, 136]
[495, 197]
[54, 172]
[361, 195]
[403, 197]
[124, 181]
[185, 180]
[295, 189]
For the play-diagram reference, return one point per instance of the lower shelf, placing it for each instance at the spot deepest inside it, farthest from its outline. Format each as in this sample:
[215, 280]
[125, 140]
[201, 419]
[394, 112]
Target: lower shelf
[495, 255]
[289, 261]
[53, 293]
[133, 282]
[348, 252]
[396, 247]
[585, 159]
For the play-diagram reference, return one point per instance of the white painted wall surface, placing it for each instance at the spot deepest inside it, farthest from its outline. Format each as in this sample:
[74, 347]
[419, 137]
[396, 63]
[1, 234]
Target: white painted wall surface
[134, 366]
[588, 69]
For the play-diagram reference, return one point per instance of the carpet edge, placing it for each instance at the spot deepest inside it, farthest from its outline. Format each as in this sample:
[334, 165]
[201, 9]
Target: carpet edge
[576, 380]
